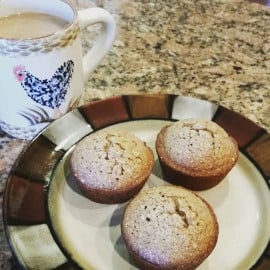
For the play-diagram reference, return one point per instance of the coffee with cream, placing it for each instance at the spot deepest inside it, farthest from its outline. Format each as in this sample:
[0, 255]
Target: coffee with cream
[43, 66]
[30, 25]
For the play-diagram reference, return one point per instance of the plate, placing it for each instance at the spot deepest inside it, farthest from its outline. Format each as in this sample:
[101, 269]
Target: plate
[51, 225]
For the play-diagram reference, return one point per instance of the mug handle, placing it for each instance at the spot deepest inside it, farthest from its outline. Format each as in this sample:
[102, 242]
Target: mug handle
[104, 40]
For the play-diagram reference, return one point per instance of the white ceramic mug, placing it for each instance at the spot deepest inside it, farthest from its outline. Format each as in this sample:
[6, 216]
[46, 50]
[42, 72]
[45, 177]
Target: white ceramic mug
[43, 76]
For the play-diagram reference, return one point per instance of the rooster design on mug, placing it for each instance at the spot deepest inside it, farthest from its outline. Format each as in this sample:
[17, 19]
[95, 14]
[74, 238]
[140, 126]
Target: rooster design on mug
[47, 92]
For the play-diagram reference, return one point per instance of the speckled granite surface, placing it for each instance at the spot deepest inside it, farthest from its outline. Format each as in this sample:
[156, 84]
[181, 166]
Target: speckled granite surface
[216, 50]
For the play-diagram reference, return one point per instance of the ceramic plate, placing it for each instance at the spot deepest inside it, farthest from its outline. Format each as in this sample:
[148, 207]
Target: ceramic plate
[51, 225]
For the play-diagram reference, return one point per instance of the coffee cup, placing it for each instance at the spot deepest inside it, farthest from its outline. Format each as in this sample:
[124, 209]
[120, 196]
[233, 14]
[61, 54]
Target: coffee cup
[42, 68]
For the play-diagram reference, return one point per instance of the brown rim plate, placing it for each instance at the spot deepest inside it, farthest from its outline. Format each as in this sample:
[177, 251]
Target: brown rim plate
[51, 225]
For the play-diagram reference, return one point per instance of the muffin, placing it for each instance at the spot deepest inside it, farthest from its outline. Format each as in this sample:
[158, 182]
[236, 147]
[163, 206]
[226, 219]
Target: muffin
[169, 227]
[195, 153]
[111, 166]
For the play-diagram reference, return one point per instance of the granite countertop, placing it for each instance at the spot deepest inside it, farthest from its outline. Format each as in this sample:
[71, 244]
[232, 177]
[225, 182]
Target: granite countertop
[216, 50]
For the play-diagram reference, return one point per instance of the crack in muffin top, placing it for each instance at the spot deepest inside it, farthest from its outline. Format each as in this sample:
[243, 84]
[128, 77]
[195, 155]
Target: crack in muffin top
[200, 144]
[110, 159]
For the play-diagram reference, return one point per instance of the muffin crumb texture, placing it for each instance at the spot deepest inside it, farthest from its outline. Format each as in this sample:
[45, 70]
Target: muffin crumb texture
[199, 144]
[111, 161]
[195, 153]
[169, 227]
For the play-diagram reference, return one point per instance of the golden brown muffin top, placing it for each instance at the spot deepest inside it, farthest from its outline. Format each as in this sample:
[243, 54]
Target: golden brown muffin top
[200, 146]
[111, 159]
[170, 227]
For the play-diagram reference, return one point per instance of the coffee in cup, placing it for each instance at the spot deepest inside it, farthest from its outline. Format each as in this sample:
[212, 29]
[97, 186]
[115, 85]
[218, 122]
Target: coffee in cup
[42, 70]
[30, 25]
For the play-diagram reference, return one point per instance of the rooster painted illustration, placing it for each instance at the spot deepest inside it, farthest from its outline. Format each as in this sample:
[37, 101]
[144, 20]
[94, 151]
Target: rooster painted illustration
[48, 92]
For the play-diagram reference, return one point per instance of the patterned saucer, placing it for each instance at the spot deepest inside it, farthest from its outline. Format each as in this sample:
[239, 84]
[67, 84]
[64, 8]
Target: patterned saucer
[51, 225]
